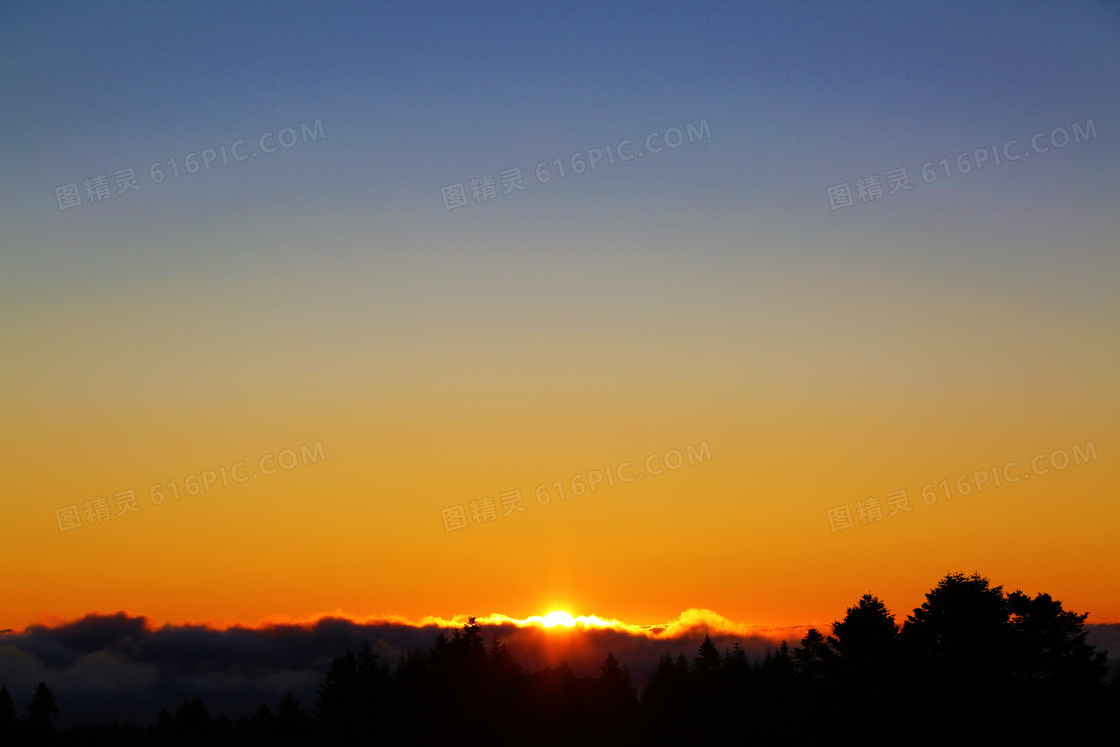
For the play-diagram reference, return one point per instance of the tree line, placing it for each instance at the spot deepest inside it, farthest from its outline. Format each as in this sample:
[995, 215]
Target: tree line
[971, 664]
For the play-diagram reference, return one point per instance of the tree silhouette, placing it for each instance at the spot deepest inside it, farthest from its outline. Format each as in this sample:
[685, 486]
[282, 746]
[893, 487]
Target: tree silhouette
[1056, 671]
[9, 718]
[1052, 648]
[706, 662]
[708, 695]
[976, 652]
[289, 712]
[291, 722]
[192, 720]
[165, 724]
[504, 669]
[263, 720]
[813, 660]
[666, 687]
[615, 695]
[866, 644]
[555, 699]
[411, 686]
[466, 653]
[777, 667]
[338, 684]
[959, 638]
[736, 668]
[865, 634]
[1111, 705]
[42, 711]
[353, 695]
[470, 635]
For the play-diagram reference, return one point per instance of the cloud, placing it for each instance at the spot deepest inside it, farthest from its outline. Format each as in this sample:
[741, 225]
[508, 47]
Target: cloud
[20, 670]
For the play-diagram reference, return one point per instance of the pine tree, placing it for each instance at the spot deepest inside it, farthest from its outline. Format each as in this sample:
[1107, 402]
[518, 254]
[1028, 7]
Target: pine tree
[707, 658]
[263, 720]
[472, 635]
[813, 659]
[865, 639]
[468, 654]
[960, 640]
[42, 710]
[192, 719]
[616, 692]
[8, 716]
[735, 662]
[334, 703]
[505, 673]
[291, 719]
[1051, 648]
[777, 667]
[666, 688]
[373, 690]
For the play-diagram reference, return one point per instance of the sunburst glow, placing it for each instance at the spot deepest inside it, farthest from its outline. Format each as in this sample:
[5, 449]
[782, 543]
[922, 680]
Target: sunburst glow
[558, 618]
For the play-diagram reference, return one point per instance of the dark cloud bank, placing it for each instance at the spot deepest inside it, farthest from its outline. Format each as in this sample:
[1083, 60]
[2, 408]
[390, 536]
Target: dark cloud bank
[106, 666]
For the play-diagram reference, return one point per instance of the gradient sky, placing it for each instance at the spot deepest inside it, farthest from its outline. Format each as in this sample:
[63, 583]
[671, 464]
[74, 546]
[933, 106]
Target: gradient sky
[323, 293]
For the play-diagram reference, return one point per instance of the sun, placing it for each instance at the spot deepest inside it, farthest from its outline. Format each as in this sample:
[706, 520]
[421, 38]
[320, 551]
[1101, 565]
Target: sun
[558, 618]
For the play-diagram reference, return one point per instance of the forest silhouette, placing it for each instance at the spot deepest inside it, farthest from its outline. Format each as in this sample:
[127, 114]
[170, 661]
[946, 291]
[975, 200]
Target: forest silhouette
[971, 664]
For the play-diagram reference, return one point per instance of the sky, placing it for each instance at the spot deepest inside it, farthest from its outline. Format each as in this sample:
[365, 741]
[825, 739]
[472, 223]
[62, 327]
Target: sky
[321, 291]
